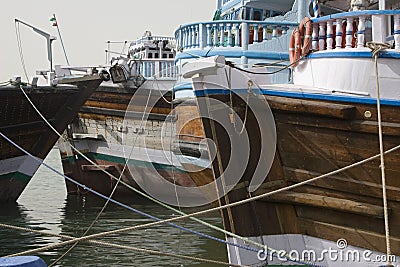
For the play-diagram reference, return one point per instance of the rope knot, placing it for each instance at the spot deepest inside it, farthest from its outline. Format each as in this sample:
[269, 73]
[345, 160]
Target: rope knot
[377, 47]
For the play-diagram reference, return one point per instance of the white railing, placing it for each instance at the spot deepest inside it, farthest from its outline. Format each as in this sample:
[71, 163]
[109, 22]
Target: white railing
[147, 39]
[229, 33]
[156, 68]
[353, 29]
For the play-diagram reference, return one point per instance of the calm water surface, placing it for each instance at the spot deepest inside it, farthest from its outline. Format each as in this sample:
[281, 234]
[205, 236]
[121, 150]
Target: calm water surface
[45, 206]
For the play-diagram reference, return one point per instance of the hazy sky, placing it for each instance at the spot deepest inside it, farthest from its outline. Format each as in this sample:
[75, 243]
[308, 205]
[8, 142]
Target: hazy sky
[85, 27]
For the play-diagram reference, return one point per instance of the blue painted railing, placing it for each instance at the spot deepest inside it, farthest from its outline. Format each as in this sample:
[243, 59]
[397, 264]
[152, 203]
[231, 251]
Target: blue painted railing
[229, 33]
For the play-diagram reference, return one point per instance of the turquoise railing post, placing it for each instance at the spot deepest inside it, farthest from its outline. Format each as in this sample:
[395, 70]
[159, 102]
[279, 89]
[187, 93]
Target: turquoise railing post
[222, 34]
[237, 35]
[215, 32]
[209, 35]
[229, 29]
[202, 36]
[265, 32]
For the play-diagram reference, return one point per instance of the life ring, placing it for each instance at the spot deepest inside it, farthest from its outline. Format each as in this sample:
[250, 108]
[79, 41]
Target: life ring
[300, 41]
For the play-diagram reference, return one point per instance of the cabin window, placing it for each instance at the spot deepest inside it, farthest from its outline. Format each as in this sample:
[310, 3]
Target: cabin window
[150, 55]
[156, 55]
[171, 56]
[164, 55]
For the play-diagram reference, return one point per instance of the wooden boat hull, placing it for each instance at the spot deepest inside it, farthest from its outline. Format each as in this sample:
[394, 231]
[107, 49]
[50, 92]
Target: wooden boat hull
[314, 137]
[110, 128]
[22, 124]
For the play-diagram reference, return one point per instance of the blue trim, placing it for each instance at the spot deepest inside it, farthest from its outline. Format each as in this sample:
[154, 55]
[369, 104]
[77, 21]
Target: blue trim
[250, 22]
[396, 32]
[345, 15]
[230, 53]
[325, 97]
[183, 87]
[353, 54]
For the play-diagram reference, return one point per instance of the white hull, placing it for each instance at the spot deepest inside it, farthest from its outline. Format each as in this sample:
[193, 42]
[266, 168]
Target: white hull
[306, 249]
[351, 74]
[24, 165]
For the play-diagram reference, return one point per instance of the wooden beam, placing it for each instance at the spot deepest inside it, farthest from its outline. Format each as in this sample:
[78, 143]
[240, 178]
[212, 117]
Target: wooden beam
[334, 203]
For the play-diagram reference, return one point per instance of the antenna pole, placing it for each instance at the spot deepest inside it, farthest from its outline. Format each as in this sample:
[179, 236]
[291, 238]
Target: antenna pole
[61, 40]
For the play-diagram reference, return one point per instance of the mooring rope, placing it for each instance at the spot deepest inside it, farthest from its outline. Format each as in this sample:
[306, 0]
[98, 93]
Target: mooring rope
[376, 48]
[107, 244]
[124, 206]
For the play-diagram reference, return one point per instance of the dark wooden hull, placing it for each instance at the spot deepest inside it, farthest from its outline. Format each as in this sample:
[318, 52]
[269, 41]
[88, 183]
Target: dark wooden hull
[103, 115]
[22, 124]
[314, 137]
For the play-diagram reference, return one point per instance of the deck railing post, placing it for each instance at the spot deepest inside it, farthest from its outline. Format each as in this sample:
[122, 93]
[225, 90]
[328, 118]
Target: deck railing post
[196, 36]
[361, 32]
[209, 36]
[237, 35]
[321, 36]
[187, 35]
[222, 34]
[202, 36]
[349, 33]
[315, 37]
[265, 32]
[339, 33]
[255, 33]
[158, 68]
[215, 30]
[329, 35]
[274, 32]
[245, 41]
[229, 29]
